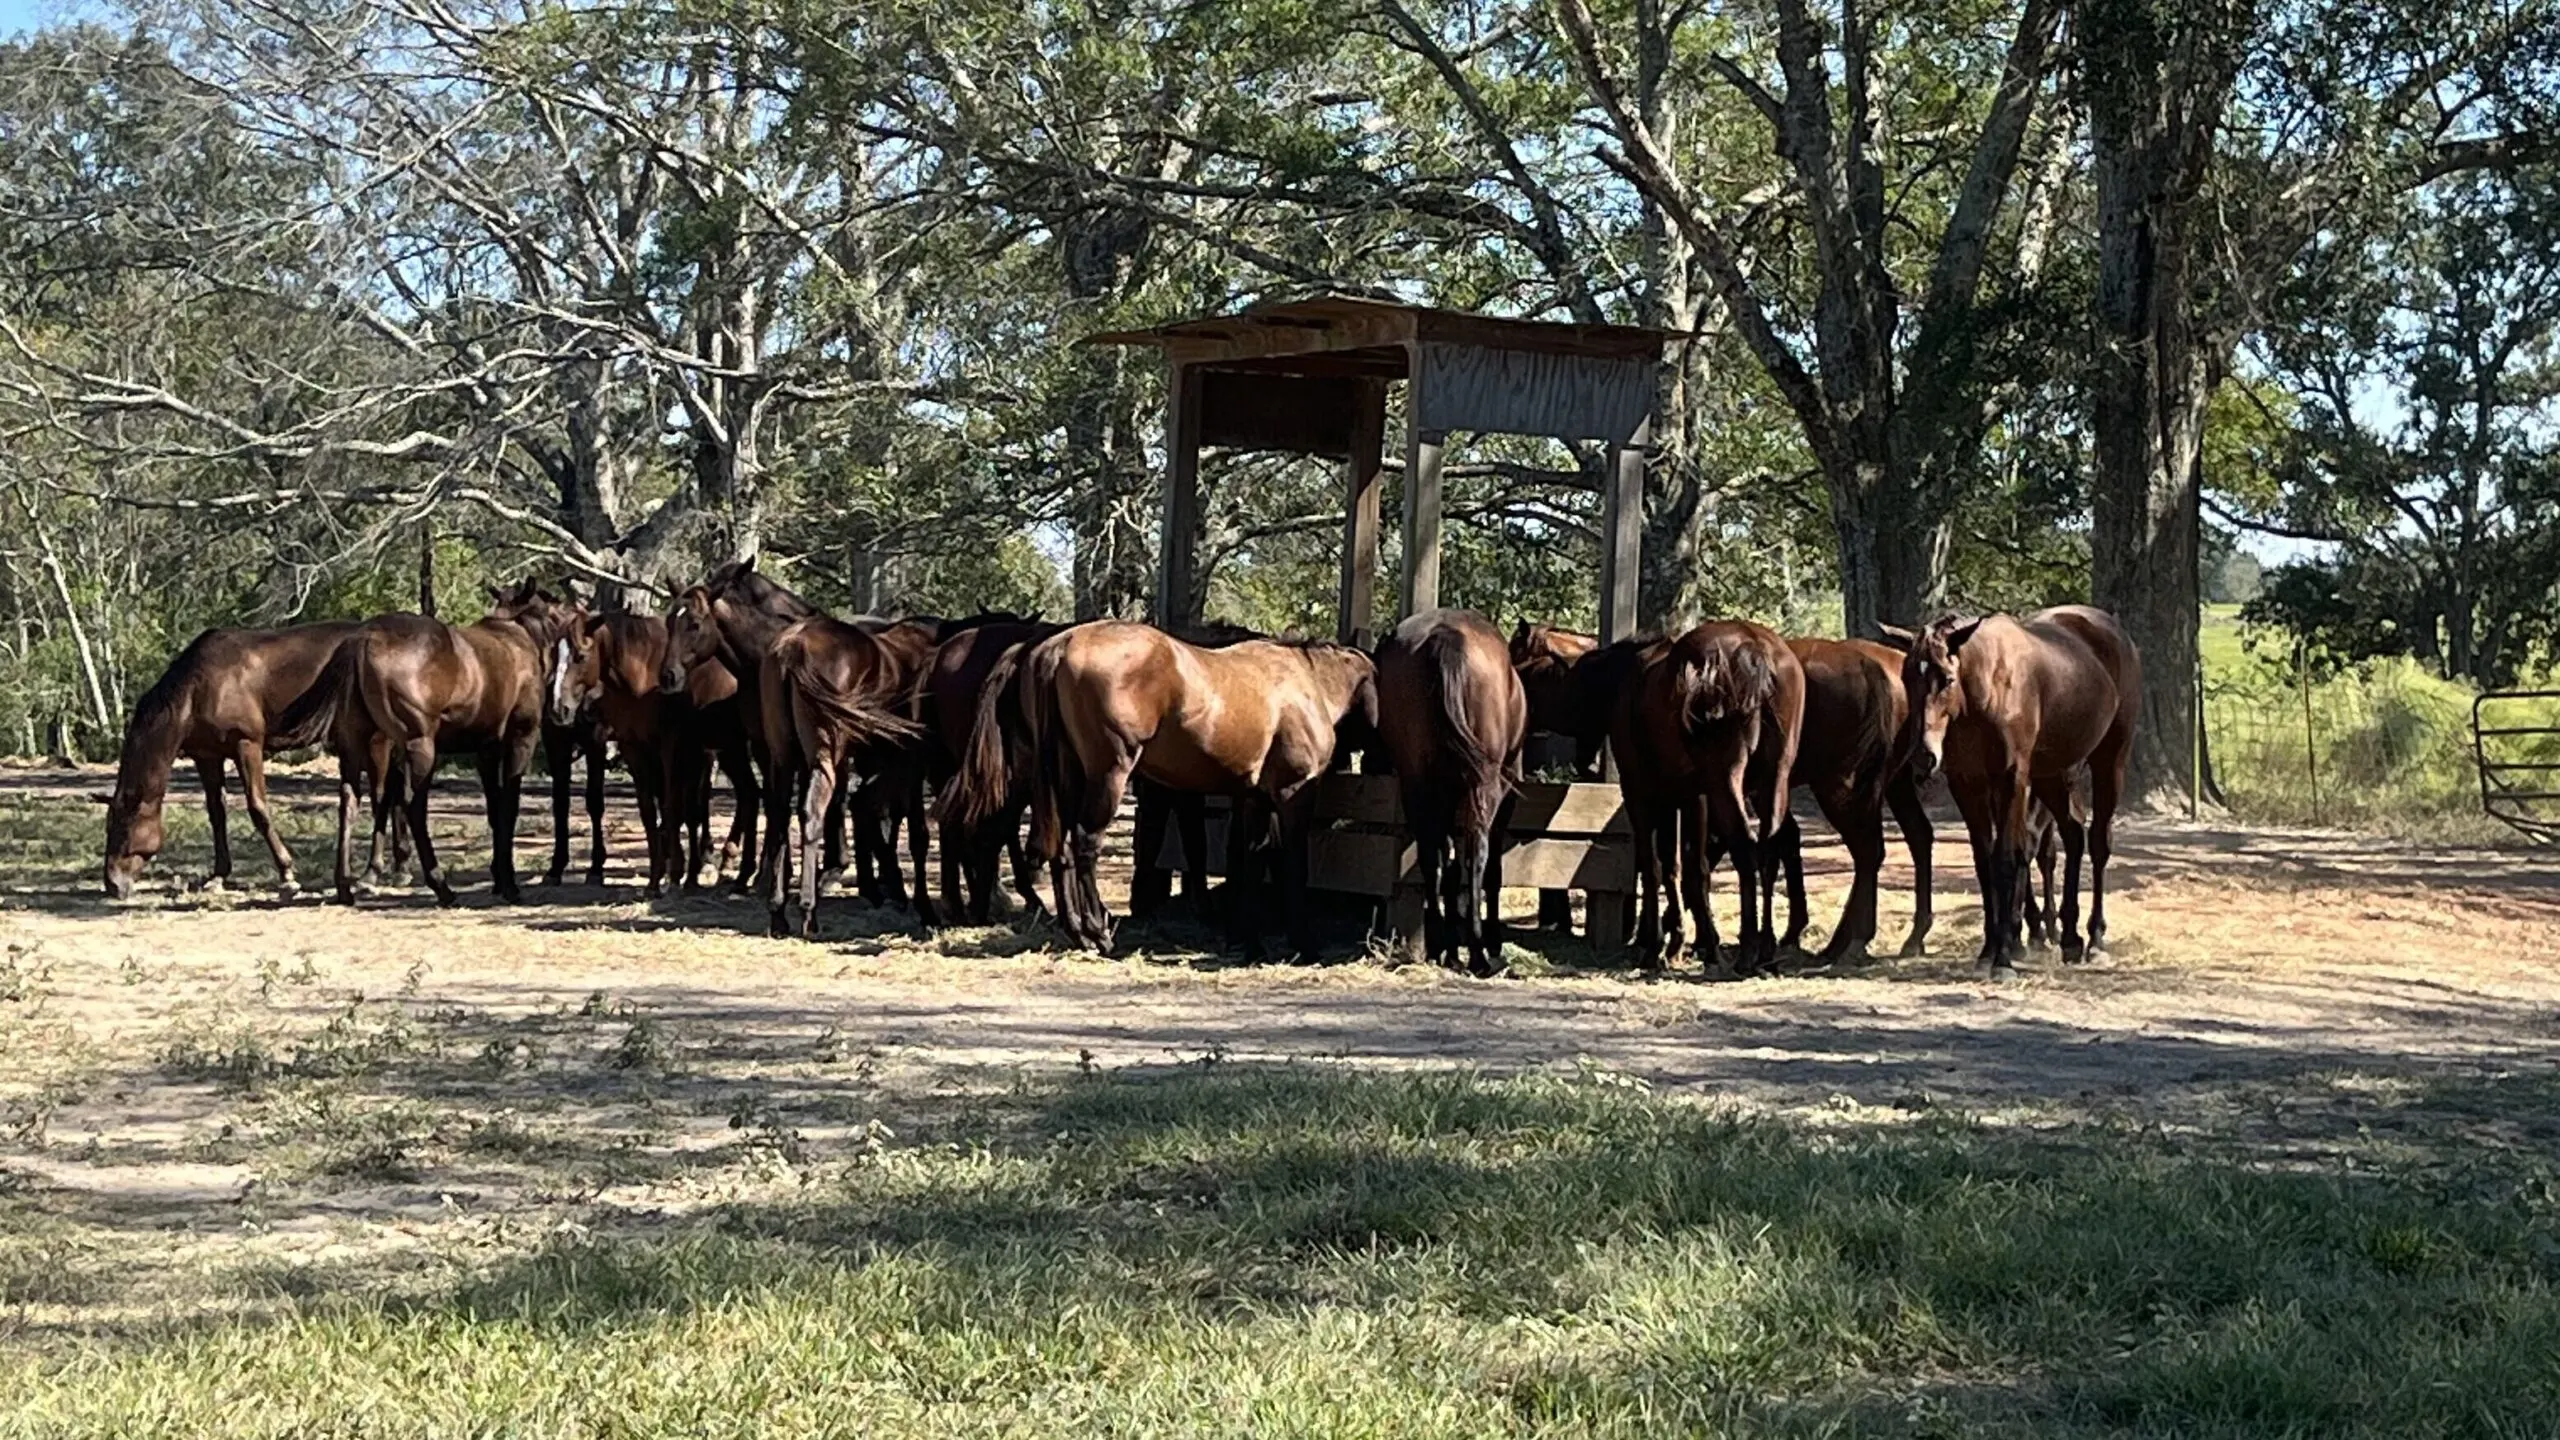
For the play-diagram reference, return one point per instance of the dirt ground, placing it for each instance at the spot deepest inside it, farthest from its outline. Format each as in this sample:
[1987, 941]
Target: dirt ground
[185, 1069]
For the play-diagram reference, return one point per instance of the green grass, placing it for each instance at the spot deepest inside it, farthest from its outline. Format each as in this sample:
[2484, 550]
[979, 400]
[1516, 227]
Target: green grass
[1220, 1250]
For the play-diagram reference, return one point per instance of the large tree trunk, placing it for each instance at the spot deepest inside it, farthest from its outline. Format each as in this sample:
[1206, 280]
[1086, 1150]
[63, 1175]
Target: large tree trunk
[1893, 548]
[2157, 88]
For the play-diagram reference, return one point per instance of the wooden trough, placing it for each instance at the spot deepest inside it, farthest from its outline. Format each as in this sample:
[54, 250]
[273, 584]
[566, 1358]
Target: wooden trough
[1310, 377]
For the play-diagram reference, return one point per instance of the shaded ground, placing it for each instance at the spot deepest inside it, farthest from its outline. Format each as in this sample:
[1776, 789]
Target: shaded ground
[230, 1105]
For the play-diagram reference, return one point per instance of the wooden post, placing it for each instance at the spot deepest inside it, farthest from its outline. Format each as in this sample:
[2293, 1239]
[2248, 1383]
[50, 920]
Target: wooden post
[1359, 594]
[1175, 601]
[1421, 585]
[1622, 536]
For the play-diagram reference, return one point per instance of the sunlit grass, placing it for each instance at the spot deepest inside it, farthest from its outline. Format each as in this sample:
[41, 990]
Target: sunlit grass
[1222, 1250]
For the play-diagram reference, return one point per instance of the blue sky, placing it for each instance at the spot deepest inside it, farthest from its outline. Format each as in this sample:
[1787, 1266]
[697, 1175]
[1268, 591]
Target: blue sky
[18, 15]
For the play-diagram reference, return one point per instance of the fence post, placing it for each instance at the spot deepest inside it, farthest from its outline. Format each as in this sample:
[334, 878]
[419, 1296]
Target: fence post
[2310, 738]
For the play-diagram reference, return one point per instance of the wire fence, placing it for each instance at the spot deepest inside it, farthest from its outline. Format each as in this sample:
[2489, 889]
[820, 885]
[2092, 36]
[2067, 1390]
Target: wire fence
[2382, 744]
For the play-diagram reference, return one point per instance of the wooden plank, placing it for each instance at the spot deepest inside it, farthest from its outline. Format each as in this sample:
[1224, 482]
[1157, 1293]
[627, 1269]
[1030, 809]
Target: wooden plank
[1357, 603]
[1532, 392]
[1570, 864]
[1544, 807]
[1420, 586]
[1175, 557]
[1622, 537]
[1296, 414]
[1248, 337]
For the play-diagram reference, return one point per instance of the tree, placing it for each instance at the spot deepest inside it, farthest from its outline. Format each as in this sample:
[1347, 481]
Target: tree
[1879, 350]
[2205, 203]
[2427, 363]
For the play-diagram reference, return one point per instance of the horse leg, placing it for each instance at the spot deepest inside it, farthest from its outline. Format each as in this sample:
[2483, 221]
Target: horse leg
[1786, 850]
[383, 790]
[814, 809]
[1489, 881]
[1099, 803]
[1700, 846]
[418, 757]
[252, 760]
[774, 866]
[560, 757]
[2009, 870]
[1290, 823]
[919, 842]
[1650, 828]
[347, 771]
[865, 883]
[210, 771]
[595, 813]
[747, 787]
[644, 790]
[1913, 820]
[1431, 846]
[1026, 874]
[2074, 837]
[2106, 791]
[1191, 813]
[1150, 884]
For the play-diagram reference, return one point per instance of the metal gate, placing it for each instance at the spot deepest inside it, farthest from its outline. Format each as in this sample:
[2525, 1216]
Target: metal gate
[2515, 740]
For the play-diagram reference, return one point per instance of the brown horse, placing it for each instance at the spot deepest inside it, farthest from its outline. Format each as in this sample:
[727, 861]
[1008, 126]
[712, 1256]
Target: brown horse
[1559, 701]
[1855, 756]
[1707, 726]
[1451, 718]
[2011, 709]
[215, 703]
[607, 667]
[948, 707]
[1112, 700]
[403, 688]
[734, 617]
[829, 691]
[893, 793]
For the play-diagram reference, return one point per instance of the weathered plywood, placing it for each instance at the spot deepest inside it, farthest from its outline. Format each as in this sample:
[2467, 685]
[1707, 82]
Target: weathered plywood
[1544, 807]
[1622, 536]
[1356, 604]
[1529, 392]
[1420, 586]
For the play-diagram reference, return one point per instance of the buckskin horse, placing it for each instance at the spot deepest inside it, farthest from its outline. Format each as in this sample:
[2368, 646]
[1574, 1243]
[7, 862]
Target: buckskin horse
[1110, 701]
[1705, 726]
[607, 667]
[2010, 709]
[1451, 718]
[403, 688]
[216, 703]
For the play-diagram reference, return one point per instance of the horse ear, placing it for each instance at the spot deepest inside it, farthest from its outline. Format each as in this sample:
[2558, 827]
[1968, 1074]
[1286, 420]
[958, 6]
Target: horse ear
[1896, 636]
[1960, 634]
[748, 565]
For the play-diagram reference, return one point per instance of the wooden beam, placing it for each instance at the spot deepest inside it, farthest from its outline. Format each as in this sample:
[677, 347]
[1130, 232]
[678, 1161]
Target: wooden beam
[1622, 536]
[1357, 604]
[1175, 556]
[1420, 588]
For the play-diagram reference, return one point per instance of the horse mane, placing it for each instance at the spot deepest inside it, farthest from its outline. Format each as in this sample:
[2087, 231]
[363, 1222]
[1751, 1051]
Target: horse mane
[979, 621]
[740, 580]
[1726, 677]
[160, 720]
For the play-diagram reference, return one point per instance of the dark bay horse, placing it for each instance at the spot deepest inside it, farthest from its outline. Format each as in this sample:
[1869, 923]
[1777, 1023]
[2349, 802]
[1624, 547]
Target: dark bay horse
[403, 689]
[947, 705]
[830, 691]
[1451, 717]
[608, 667]
[1705, 728]
[216, 703]
[892, 794]
[1855, 755]
[2011, 709]
[1109, 701]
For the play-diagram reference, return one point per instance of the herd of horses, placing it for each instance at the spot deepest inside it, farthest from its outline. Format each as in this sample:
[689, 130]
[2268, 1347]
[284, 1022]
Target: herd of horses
[1028, 735]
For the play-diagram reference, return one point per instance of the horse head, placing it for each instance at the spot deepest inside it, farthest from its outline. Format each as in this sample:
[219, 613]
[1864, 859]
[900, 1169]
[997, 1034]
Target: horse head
[577, 665]
[693, 637]
[134, 836]
[1932, 686]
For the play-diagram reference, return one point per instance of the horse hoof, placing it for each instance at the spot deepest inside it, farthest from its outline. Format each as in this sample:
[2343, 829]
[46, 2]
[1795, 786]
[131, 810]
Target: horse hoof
[595, 877]
[551, 879]
[287, 888]
[1999, 970]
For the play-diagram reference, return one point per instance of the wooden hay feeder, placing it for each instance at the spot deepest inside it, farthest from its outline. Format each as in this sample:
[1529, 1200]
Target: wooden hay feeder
[1310, 377]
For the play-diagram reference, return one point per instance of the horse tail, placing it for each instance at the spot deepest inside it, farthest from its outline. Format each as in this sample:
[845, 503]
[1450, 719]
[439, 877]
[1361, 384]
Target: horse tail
[313, 716]
[866, 715]
[985, 777]
[1058, 768]
[1725, 679]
